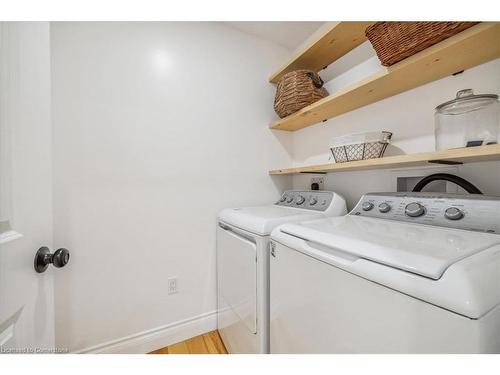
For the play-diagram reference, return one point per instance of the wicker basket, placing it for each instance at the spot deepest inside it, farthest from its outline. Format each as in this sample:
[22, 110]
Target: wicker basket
[395, 41]
[297, 90]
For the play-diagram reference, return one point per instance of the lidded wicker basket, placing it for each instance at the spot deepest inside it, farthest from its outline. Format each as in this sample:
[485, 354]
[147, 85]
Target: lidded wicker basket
[395, 41]
[297, 90]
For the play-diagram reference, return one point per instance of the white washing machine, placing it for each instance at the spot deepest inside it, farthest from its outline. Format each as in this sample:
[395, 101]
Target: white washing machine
[401, 273]
[243, 263]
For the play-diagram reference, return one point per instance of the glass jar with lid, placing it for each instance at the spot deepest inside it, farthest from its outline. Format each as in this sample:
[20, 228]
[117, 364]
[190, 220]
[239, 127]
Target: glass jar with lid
[468, 120]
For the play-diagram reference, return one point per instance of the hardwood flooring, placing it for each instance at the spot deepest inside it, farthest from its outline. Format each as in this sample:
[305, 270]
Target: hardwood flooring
[208, 343]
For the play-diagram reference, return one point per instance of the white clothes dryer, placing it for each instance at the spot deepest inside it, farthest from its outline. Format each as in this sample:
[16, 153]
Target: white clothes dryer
[243, 263]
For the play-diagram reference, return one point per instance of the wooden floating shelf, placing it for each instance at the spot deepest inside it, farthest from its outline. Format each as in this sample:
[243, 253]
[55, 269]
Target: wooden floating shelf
[454, 156]
[471, 47]
[333, 43]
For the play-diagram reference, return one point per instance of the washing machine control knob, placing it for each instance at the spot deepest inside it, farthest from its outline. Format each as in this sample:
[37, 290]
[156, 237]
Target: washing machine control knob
[384, 207]
[453, 213]
[367, 206]
[313, 201]
[414, 209]
[289, 199]
[300, 199]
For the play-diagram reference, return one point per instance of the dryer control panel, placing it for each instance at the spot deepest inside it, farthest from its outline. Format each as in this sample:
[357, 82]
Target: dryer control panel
[469, 212]
[306, 199]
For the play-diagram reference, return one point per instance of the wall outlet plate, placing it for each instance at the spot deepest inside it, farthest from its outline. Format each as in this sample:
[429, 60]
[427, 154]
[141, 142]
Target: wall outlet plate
[172, 285]
[320, 181]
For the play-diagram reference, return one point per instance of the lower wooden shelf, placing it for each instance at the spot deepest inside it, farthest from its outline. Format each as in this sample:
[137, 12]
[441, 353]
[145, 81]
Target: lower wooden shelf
[454, 156]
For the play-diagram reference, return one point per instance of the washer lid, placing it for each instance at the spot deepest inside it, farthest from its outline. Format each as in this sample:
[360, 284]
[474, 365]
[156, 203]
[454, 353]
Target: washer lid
[420, 249]
[263, 219]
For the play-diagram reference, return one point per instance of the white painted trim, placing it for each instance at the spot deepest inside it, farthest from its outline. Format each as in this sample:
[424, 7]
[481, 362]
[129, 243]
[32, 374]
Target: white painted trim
[156, 338]
[8, 236]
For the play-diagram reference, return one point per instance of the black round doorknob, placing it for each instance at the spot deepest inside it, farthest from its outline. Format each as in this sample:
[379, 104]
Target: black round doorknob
[43, 258]
[60, 258]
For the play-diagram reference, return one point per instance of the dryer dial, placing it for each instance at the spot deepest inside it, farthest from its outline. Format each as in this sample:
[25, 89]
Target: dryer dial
[300, 199]
[414, 209]
[453, 213]
[384, 207]
[367, 206]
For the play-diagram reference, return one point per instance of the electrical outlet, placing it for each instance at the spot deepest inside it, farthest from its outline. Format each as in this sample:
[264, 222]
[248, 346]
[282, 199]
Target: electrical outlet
[320, 181]
[173, 285]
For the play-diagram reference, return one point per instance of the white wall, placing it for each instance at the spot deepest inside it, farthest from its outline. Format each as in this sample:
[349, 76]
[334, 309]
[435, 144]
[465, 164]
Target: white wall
[157, 126]
[410, 116]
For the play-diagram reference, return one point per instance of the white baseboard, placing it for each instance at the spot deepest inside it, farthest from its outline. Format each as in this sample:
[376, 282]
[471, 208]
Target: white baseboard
[147, 341]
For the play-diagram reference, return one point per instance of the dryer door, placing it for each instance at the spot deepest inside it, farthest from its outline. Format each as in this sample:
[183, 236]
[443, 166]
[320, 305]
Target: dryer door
[237, 277]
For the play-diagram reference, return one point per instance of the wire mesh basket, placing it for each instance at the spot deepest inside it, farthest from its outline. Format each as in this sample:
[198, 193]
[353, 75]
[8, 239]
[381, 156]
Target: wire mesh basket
[361, 146]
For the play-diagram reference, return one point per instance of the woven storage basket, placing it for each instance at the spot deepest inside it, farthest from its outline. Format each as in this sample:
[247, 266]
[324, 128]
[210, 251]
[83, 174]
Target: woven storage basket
[395, 41]
[297, 90]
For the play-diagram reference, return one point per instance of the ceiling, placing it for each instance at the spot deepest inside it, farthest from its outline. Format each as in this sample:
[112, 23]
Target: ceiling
[288, 34]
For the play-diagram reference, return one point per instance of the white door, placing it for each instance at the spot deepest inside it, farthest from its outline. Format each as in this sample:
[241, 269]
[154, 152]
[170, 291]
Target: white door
[26, 297]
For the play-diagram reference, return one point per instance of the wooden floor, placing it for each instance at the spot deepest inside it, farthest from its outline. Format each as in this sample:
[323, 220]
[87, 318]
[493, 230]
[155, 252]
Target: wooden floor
[209, 343]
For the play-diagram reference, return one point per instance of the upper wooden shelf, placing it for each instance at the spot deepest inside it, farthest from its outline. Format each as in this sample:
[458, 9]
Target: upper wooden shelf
[454, 156]
[333, 43]
[474, 46]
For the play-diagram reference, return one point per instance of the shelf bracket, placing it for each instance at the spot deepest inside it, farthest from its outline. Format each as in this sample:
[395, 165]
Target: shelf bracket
[447, 162]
